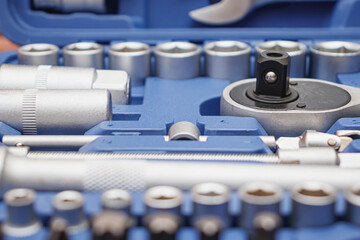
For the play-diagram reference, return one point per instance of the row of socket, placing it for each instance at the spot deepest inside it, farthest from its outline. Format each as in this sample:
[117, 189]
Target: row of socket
[228, 60]
[313, 205]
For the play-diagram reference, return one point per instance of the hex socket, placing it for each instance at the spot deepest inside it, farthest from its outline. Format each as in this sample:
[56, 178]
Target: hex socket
[353, 204]
[116, 200]
[328, 59]
[229, 60]
[132, 57]
[184, 131]
[313, 204]
[163, 199]
[296, 50]
[84, 54]
[177, 60]
[38, 54]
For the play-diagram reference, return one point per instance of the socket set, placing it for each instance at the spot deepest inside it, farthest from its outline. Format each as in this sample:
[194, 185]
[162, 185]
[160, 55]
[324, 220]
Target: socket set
[144, 119]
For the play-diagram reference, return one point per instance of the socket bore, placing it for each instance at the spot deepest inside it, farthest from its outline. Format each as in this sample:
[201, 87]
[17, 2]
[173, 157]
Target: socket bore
[38, 54]
[132, 57]
[177, 60]
[313, 204]
[331, 58]
[163, 198]
[116, 200]
[184, 131]
[84, 54]
[228, 60]
[296, 50]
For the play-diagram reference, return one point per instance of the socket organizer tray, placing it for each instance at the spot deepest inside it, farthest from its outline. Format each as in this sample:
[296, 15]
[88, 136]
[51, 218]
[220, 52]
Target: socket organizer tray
[141, 125]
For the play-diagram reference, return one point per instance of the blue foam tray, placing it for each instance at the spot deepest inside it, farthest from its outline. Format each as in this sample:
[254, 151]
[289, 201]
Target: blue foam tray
[160, 103]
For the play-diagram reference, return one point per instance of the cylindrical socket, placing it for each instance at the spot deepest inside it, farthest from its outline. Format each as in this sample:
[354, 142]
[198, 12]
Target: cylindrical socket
[229, 60]
[35, 111]
[49, 77]
[210, 228]
[116, 200]
[38, 54]
[21, 220]
[177, 60]
[258, 197]
[163, 198]
[184, 131]
[132, 57]
[296, 50]
[163, 226]
[313, 204]
[96, 6]
[111, 225]
[328, 59]
[353, 204]
[68, 205]
[84, 54]
[211, 199]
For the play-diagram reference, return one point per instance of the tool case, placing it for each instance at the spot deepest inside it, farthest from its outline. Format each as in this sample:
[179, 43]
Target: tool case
[142, 125]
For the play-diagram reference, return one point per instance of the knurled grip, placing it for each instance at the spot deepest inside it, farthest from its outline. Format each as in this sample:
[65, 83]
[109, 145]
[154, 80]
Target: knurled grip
[104, 175]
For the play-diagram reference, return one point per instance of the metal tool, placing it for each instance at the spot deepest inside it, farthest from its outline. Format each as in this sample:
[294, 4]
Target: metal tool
[36, 111]
[313, 204]
[68, 205]
[49, 77]
[133, 58]
[38, 54]
[58, 230]
[96, 6]
[211, 200]
[265, 226]
[296, 50]
[163, 199]
[257, 197]
[209, 227]
[163, 226]
[92, 175]
[21, 220]
[84, 54]
[281, 105]
[230, 11]
[116, 200]
[111, 225]
[184, 131]
[353, 204]
[327, 59]
[229, 60]
[177, 60]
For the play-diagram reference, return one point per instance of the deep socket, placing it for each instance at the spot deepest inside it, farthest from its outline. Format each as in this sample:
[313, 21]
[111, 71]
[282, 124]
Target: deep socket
[36, 111]
[116, 200]
[296, 50]
[96, 6]
[258, 197]
[21, 220]
[327, 59]
[48, 77]
[353, 204]
[163, 199]
[68, 205]
[313, 204]
[84, 54]
[132, 57]
[229, 60]
[38, 54]
[184, 131]
[211, 200]
[177, 60]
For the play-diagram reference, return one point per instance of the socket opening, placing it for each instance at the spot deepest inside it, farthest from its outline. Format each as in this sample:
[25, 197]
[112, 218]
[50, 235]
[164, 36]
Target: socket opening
[210, 193]
[314, 193]
[337, 48]
[19, 197]
[274, 54]
[290, 47]
[130, 47]
[180, 49]
[116, 198]
[163, 197]
[260, 193]
[83, 46]
[39, 48]
[227, 48]
[68, 200]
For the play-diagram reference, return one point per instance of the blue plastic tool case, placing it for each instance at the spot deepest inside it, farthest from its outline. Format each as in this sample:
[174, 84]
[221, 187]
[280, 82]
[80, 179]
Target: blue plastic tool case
[160, 103]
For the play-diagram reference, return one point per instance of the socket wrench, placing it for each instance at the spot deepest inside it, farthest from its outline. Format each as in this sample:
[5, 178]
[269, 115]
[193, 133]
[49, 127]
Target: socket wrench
[49, 77]
[84, 54]
[38, 54]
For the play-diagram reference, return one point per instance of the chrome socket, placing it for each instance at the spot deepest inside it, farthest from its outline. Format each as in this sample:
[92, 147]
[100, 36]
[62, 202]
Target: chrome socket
[132, 57]
[313, 204]
[257, 197]
[211, 200]
[327, 59]
[38, 54]
[265, 226]
[209, 227]
[68, 205]
[84, 54]
[229, 60]
[184, 131]
[163, 199]
[111, 225]
[163, 226]
[116, 200]
[296, 50]
[21, 220]
[353, 204]
[177, 60]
